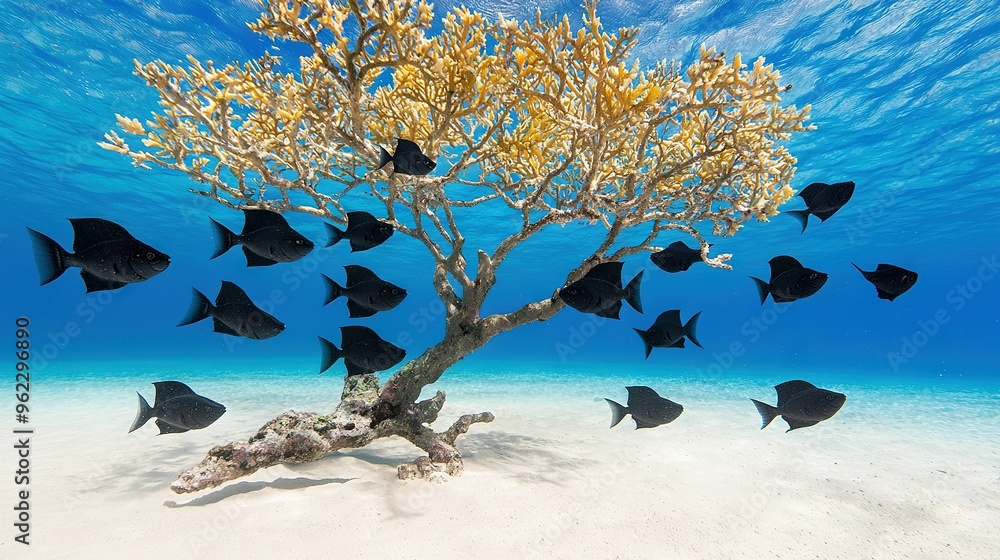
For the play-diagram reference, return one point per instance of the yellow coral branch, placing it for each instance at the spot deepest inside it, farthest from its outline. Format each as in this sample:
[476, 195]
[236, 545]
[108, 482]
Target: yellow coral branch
[548, 118]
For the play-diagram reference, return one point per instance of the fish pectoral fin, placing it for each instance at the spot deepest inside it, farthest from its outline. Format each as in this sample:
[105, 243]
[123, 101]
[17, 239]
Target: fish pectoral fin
[168, 428]
[96, 284]
[253, 259]
[795, 423]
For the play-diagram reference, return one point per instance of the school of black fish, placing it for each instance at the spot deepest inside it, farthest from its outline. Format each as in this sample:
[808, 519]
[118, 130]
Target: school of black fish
[109, 258]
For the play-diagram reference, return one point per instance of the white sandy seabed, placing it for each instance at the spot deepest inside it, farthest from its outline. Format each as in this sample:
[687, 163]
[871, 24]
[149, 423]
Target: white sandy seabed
[898, 473]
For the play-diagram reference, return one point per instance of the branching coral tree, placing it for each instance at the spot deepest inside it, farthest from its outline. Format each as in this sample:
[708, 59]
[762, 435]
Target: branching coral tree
[554, 123]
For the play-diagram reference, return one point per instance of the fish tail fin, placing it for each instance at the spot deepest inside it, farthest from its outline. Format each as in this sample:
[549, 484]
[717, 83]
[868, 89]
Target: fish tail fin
[617, 412]
[762, 289]
[767, 412]
[858, 267]
[632, 292]
[645, 340]
[333, 290]
[143, 416]
[335, 234]
[50, 258]
[226, 239]
[201, 308]
[330, 354]
[384, 157]
[802, 216]
[689, 329]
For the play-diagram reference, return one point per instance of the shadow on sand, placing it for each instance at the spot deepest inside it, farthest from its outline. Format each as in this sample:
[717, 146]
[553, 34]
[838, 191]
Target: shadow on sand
[247, 487]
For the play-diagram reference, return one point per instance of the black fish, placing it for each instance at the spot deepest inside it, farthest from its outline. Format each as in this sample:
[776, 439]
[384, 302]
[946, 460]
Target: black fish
[801, 404]
[408, 159]
[890, 280]
[677, 257]
[823, 200]
[647, 408]
[668, 332]
[363, 351]
[600, 291]
[366, 293]
[266, 238]
[233, 314]
[789, 280]
[177, 409]
[363, 230]
[108, 256]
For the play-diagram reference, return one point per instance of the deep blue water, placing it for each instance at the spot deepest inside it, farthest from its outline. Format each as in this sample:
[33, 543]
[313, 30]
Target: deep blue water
[905, 97]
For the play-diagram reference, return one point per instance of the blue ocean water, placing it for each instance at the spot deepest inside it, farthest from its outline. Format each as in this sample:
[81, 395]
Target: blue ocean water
[905, 97]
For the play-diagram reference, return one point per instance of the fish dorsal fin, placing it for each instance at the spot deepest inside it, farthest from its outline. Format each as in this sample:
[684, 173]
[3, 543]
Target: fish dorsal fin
[357, 274]
[672, 316]
[783, 264]
[789, 389]
[638, 394]
[359, 218]
[356, 335]
[891, 268]
[403, 146]
[679, 246]
[258, 219]
[232, 294]
[610, 272]
[88, 232]
[796, 423]
[809, 193]
[166, 390]
[168, 428]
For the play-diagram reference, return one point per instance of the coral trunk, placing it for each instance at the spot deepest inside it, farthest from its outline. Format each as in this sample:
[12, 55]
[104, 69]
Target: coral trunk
[363, 415]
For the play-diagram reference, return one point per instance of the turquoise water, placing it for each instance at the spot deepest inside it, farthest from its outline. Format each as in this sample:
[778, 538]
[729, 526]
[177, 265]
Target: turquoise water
[906, 100]
[904, 95]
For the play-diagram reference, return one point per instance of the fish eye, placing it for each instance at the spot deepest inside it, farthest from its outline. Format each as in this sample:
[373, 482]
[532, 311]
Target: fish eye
[395, 291]
[812, 276]
[298, 242]
[150, 256]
